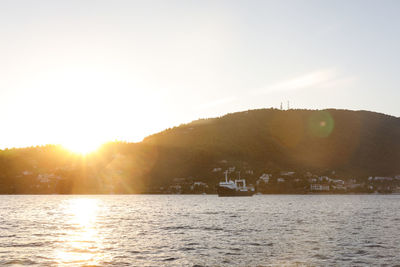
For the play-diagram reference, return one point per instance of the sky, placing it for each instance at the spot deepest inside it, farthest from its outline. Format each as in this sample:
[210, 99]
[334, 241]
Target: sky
[80, 73]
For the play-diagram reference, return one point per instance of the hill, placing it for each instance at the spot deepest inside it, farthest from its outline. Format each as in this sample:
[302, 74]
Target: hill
[342, 143]
[349, 142]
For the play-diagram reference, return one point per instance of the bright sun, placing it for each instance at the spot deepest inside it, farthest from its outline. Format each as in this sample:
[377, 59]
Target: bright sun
[82, 147]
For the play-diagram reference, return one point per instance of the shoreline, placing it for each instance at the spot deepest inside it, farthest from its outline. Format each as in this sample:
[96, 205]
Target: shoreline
[160, 194]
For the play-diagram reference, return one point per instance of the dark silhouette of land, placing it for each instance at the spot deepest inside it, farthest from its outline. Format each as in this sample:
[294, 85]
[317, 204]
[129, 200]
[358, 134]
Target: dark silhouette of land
[339, 144]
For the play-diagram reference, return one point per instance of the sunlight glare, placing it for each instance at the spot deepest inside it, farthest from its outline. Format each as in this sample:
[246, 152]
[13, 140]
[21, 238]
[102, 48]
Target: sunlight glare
[83, 241]
[84, 211]
[82, 147]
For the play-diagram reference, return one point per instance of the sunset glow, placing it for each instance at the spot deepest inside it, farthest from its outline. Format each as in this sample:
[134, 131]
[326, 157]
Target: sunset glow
[81, 244]
[128, 70]
[199, 133]
[82, 147]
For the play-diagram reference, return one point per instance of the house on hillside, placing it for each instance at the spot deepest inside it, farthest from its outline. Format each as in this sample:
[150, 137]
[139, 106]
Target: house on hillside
[47, 177]
[312, 180]
[250, 172]
[200, 184]
[324, 179]
[377, 178]
[287, 173]
[319, 187]
[264, 178]
[199, 187]
[338, 182]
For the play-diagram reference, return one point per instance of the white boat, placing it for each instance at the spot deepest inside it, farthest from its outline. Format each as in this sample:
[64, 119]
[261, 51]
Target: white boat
[235, 188]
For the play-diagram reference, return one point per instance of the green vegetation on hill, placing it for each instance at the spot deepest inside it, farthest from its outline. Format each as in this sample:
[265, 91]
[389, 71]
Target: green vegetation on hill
[353, 144]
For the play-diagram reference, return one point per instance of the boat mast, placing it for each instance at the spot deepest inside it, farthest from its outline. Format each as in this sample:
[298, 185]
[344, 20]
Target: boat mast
[226, 176]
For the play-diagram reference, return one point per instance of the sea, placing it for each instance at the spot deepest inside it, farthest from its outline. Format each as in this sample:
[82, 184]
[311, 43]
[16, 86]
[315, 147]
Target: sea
[199, 230]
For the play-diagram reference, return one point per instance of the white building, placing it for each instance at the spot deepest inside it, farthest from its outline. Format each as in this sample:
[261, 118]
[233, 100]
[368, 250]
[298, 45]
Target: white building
[264, 177]
[377, 178]
[198, 185]
[338, 182]
[312, 180]
[201, 184]
[47, 177]
[287, 173]
[319, 187]
[324, 178]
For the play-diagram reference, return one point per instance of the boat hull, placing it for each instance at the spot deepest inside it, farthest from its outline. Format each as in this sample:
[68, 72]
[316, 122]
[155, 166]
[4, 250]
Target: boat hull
[227, 192]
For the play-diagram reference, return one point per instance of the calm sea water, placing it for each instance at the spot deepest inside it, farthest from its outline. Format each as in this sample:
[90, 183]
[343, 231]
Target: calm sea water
[173, 230]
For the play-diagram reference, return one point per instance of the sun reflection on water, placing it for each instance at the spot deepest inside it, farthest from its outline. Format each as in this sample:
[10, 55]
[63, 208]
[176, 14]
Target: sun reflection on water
[81, 243]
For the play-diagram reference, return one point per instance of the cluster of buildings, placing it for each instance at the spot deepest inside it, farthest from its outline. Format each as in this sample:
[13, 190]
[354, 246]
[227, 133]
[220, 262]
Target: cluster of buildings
[288, 182]
[185, 186]
[39, 181]
[314, 183]
[264, 183]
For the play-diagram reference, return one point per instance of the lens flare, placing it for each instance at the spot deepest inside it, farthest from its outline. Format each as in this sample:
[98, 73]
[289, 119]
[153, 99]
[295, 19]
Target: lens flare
[321, 124]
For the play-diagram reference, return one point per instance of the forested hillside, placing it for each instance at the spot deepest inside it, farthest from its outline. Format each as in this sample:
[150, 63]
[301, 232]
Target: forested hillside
[351, 144]
[354, 142]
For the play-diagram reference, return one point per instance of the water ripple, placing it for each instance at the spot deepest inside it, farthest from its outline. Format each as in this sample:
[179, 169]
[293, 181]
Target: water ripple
[199, 230]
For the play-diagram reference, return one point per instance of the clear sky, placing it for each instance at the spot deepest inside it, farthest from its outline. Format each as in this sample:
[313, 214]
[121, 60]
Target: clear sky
[84, 72]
